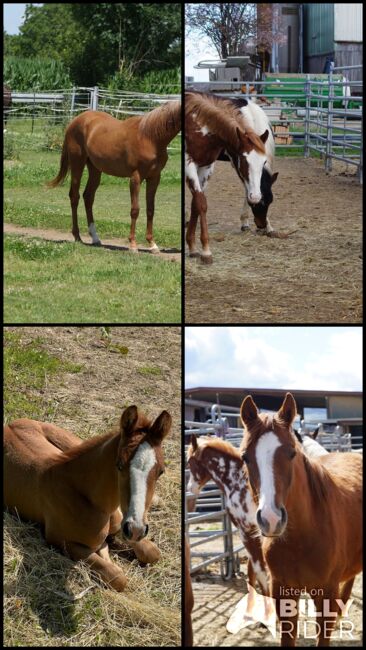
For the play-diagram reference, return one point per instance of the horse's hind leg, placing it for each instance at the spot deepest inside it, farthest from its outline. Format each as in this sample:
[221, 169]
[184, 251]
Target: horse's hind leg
[88, 196]
[135, 183]
[77, 165]
[151, 187]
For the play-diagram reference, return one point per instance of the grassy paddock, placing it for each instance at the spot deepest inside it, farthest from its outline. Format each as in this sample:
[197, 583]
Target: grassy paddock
[51, 282]
[48, 599]
[65, 283]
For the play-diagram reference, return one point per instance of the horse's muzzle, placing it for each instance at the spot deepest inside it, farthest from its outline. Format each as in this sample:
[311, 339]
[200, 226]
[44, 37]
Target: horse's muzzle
[134, 533]
[268, 529]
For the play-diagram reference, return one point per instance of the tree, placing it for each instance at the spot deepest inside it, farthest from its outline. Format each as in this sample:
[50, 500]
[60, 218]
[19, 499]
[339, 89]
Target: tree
[234, 28]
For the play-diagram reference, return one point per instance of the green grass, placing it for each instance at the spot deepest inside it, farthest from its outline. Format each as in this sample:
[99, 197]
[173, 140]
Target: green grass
[63, 283]
[51, 282]
[26, 368]
[148, 371]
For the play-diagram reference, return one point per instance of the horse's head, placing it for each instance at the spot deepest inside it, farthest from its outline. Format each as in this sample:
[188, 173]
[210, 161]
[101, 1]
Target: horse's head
[140, 462]
[199, 475]
[256, 176]
[268, 449]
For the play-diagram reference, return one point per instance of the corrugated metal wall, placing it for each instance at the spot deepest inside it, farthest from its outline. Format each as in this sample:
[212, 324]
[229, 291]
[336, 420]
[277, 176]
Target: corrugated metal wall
[348, 22]
[318, 28]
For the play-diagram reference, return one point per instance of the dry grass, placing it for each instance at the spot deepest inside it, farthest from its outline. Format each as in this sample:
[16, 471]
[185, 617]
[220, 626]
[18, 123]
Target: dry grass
[52, 601]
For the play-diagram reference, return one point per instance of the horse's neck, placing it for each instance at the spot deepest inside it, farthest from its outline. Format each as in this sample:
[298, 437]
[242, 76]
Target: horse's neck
[93, 472]
[307, 487]
[227, 472]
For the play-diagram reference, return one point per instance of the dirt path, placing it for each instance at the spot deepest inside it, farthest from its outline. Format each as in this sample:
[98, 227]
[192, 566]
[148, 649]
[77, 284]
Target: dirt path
[169, 254]
[314, 276]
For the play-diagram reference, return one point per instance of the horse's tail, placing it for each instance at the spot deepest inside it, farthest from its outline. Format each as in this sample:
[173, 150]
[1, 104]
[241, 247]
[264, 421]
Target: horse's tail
[64, 167]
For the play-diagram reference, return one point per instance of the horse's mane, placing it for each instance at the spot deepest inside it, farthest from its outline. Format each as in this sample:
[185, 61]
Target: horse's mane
[162, 123]
[222, 117]
[217, 444]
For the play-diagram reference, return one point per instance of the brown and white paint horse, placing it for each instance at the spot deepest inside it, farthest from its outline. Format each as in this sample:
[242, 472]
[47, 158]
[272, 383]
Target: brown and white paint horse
[135, 148]
[309, 511]
[81, 492]
[213, 459]
[217, 127]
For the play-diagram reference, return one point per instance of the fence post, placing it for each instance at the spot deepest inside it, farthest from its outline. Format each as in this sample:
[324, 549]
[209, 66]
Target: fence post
[95, 99]
[307, 117]
[72, 107]
[328, 151]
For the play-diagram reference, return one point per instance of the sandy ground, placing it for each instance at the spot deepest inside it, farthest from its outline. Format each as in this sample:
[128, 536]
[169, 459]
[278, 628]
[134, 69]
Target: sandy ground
[215, 600]
[171, 254]
[314, 276]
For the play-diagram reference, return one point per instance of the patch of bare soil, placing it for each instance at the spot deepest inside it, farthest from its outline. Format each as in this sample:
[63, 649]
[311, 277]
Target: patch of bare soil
[135, 365]
[314, 276]
[215, 600]
[170, 254]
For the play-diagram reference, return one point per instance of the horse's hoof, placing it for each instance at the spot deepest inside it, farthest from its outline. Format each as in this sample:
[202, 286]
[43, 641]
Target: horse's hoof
[206, 259]
[134, 249]
[195, 254]
[154, 249]
[97, 243]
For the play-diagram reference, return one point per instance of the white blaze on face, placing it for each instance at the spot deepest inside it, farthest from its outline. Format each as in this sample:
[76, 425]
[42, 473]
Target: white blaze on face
[193, 485]
[140, 467]
[264, 454]
[255, 162]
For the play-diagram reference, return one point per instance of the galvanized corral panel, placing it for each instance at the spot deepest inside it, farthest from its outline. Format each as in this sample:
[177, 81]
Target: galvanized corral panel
[348, 22]
[318, 28]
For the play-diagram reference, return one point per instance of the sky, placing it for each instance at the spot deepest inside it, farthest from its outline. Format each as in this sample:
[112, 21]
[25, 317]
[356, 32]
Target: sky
[13, 17]
[197, 49]
[309, 358]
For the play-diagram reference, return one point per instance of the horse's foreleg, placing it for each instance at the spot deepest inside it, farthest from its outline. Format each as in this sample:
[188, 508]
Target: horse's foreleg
[100, 563]
[191, 229]
[288, 621]
[135, 183]
[151, 187]
[88, 195]
[328, 611]
[244, 217]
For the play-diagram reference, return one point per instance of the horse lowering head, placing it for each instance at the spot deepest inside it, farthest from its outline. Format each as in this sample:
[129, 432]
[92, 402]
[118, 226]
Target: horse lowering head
[199, 475]
[140, 462]
[255, 174]
[268, 450]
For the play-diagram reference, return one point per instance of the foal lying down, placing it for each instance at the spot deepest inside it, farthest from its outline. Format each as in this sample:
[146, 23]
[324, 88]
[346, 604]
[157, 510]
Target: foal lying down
[83, 491]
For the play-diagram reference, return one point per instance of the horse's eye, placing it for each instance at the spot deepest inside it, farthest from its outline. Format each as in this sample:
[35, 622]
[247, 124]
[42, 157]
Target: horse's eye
[244, 457]
[161, 471]
[292, 454]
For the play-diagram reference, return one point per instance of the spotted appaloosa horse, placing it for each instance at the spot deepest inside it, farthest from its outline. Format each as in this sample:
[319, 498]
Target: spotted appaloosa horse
[309, 511]
[240, 131]
[217, 460]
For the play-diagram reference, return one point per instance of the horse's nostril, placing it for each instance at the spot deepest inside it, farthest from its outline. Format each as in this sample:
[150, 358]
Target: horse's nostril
[126, 530]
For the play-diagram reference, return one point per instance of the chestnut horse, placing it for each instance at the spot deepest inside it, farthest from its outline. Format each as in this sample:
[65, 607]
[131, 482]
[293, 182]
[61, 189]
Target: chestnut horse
[135, 148]
[83, 491]
[215, 127]
[213, 459]
[309, 511]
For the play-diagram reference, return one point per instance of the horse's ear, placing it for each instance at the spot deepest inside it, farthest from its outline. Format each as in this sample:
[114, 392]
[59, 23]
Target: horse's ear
[194, 442]
[128, 420]
[160, 428]
[287, 412]
[248, 410]
[264, 136]
[274, 178]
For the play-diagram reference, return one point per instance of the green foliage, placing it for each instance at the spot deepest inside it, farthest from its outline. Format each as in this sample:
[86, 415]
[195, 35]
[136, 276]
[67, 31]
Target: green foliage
[95, 40]
[35, 74]
[156, 81]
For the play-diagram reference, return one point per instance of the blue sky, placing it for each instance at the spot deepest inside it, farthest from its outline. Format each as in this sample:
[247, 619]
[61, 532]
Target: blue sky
[318, 358]
[13, 17]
